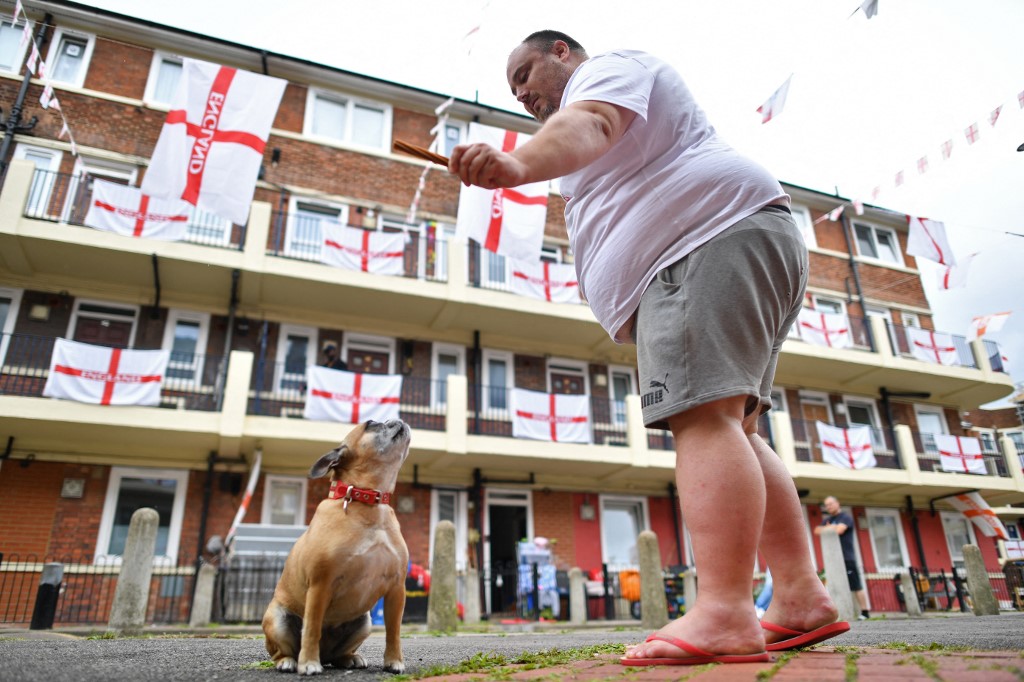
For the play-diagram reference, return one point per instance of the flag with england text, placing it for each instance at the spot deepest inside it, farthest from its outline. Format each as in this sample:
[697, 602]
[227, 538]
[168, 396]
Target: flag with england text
[126, 210]
[550, 416]
[960, 454]
[975, 508]
[507, 221]
[955, 276]
[846, 448]
[927, 239]
[212, 142]
[555, 282]
[825, 329]
[773, 106]
[351, 397]
[353, 248]
[930, 346]
[982, 324]
[87, 373]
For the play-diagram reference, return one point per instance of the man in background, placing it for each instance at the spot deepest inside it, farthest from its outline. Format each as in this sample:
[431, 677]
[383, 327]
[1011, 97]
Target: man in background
[841, 523]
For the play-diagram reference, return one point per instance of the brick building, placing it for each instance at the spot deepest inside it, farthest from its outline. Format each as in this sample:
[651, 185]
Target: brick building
[246, 308]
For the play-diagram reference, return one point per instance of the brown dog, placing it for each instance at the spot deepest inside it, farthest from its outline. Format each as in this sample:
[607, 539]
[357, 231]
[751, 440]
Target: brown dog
[351, 555]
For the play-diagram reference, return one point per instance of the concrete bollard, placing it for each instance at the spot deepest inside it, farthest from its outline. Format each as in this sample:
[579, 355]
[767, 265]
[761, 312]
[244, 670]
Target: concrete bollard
[983, 599]
[836, 582]
[45, 609]
[128, 612]
[653, 605]
[442, 611]
[202, 598]
[577, 597]
[471, 603]
[910, 595]
[690, 588]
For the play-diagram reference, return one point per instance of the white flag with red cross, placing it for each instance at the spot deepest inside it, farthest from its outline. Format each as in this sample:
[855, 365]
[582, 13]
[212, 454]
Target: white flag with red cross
[1014, 549]
[99, 375]
[825, 329]
[773, 106]
[927, 239]
[846, 448]
[126, 210]
[212, 142]
[550, 416]
[982, 324]
[931, 346]
[955, 276]
[351, 397]
[974, 507]
[555, 282]
[960, 454]
[353, 248]
[508, 221]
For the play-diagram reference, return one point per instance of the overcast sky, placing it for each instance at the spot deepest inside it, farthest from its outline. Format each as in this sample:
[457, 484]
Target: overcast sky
[868, 97]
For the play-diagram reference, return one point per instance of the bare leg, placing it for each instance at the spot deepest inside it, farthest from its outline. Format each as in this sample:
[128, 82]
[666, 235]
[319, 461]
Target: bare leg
[722, 490]
[800, 601]
[862, 599]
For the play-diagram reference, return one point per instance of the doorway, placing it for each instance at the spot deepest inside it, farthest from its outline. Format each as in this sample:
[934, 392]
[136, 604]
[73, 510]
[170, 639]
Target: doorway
[508, 522]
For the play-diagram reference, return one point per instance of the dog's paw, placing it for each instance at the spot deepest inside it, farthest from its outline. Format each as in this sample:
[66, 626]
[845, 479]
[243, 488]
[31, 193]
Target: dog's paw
[353, 661]
[285, 665]
[396, 667]
[310, 668]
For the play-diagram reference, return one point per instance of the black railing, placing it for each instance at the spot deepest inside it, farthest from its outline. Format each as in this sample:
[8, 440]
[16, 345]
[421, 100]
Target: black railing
[995, 356]
[808, 445]
[65, 198]
[244, 587]
[190, 382]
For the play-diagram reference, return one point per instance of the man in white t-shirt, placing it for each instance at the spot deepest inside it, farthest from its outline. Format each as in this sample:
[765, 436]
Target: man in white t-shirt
[686, 248]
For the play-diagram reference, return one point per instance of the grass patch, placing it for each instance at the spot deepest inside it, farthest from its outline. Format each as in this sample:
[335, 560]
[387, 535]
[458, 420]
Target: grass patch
[779, 665]
[927, 665]
[103, 635]
[258, 665]
[934, 647]
[494, 664]
[850, 671]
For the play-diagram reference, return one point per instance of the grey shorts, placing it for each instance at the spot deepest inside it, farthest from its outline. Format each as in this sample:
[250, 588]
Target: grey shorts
[710, 325]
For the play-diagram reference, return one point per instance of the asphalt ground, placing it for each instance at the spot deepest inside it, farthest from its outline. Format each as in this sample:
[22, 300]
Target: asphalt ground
[75, 655]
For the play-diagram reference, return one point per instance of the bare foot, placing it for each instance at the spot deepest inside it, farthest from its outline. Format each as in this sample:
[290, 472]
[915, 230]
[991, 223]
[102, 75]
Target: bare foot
[801, 607]
[715, 628]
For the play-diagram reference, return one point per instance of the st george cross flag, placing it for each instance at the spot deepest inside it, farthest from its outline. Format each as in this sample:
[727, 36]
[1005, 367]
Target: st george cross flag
[550, 416]
[354, 248]
[846, 448]
[105, 376]
[974, 507]
[773, 107]
[983, 324]
[212, 142]
[960, 454]
[931, 346]
[927, 239]
[555, 282]
[1014, 549]
[506, 221]
[351, 397]
[126, 210]
[825, 329]
[955, 276]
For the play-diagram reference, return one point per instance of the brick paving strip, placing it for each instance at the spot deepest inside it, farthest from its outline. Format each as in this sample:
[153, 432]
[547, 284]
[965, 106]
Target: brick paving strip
[823, 664]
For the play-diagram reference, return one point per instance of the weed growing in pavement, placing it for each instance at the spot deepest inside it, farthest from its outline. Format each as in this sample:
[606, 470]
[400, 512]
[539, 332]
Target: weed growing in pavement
[780, 663]
[494, 664]
[846, 649]
[934, 646]
[258, 665]
[103, 635]
[928, 665]
[850, 671]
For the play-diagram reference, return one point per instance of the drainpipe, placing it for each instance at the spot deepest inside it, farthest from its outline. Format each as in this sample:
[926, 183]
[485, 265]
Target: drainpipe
[228, 337]
[14, 124]
[917, 534]
[478, 368]
[856, 279]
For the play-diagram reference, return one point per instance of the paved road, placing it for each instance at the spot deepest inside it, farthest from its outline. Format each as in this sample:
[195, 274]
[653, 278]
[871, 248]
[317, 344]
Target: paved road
[56, 657]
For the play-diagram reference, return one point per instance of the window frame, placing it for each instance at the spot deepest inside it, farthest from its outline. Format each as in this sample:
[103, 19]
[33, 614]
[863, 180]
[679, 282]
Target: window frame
[198, 364]
[930, 448]
[570, 366]
[875, 229]
[508, 357]
[461, 522]
[15, 295]
[152, 80]
[376, 344]
[802, 218]
[877, 437]
[18, 65]
[54, 50]
[76, 313]
[350, 102]
[630, 373]
[294, 209]
[106, 528]
[281, 353]
[945, 516]
[266, 511]
[645, 519]
[38, 200]
[436, 350]
[901, 538]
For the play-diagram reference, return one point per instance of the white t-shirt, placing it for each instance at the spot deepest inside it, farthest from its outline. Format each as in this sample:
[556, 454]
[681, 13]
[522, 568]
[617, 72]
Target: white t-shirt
[668, 186]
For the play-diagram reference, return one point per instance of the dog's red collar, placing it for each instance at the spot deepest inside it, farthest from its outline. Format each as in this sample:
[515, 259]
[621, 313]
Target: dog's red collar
[344, 491]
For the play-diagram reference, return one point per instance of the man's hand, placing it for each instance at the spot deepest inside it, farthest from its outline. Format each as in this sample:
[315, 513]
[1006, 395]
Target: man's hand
[484, 166]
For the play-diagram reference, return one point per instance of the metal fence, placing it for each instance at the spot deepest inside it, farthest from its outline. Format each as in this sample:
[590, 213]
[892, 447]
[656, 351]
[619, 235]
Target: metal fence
[86, 592]
[65, 198]
[190, 383]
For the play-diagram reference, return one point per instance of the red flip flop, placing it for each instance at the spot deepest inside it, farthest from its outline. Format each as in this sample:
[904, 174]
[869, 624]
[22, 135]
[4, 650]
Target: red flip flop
[696, 657]
[799, 639]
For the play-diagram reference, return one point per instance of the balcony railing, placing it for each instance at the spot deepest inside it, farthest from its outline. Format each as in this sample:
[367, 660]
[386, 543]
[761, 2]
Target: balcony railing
[300, 236]
[65, 198]
[189, 384]
[928, 456]
[995, 356]
[808, 445]
[901, 346]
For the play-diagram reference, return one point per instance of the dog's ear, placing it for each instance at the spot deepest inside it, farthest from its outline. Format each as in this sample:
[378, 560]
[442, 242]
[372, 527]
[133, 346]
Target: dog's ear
[329, 461]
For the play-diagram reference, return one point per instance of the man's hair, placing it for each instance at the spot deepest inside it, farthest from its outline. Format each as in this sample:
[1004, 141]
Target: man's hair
[545, 40]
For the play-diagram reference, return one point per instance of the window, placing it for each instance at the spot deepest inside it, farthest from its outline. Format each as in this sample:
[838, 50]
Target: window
[296, 350]
[305, 233]
[621, 386]
[103, 324]
[446, 360]
[887, 540]
[496, 380]
[958, 533]
[451, 505]
[865, 413]
[828, 305]
[930, 421]
[284, 501]
[345, 119]
[622, 520]
[802, 218]
[878, 242]
[68, 58]
[454, 133]
[10, 302]
[47, 163]
[185, 336]
[131, 489]
[911, 320]
[12, 52]
[988, 442]
[369, 354]
[164, 76]
[567, 377]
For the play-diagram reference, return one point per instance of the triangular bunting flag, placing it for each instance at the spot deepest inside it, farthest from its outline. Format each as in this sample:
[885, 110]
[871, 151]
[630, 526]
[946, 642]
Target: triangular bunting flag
[773, 106]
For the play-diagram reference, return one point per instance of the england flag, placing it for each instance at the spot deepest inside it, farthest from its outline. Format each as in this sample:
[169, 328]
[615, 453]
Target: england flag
[550, 416]
[555, 282]
[931, 346]
[927, 239]
[974, 507]
[960, 454]
[824, 329]
[126, 210]
[353, 248]
[351, 397]
[87, 373]
[846, 448]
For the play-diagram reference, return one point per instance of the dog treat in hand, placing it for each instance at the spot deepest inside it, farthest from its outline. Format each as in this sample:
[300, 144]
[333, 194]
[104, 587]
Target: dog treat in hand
[419, 152]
